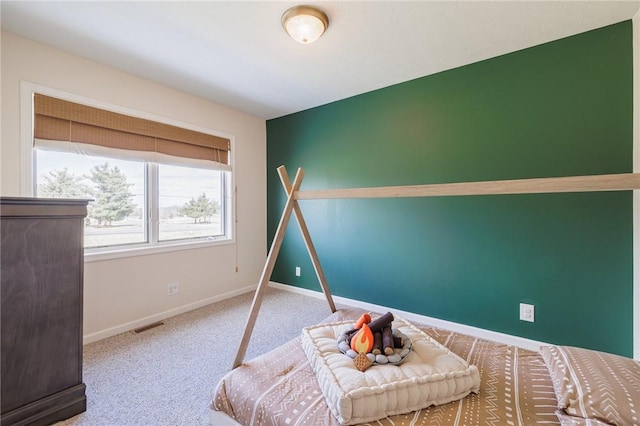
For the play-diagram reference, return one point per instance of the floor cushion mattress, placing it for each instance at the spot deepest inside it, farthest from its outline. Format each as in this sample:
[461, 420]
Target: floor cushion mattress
[430, 375]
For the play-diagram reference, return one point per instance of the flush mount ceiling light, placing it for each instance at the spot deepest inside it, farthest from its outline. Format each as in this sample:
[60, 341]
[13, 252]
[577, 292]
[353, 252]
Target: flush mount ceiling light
[305, 24]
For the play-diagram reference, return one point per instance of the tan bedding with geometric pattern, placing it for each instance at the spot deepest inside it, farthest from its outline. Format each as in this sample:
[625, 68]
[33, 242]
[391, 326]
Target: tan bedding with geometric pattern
[280, 387]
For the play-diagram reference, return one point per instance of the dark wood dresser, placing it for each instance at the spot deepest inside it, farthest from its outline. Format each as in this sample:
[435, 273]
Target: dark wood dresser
[41, 282]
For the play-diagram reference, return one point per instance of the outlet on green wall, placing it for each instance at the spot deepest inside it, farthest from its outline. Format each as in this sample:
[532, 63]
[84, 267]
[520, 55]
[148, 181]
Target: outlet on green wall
[560, 109]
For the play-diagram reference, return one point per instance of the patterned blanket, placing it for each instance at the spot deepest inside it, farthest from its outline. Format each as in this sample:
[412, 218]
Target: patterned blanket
[280, 388]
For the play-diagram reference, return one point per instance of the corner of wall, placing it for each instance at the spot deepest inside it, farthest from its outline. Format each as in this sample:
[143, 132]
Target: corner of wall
[636, 195]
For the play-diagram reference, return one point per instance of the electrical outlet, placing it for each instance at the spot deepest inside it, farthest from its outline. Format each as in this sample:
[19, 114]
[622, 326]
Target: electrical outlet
[527, 312]
[173, 288]
[298, 271]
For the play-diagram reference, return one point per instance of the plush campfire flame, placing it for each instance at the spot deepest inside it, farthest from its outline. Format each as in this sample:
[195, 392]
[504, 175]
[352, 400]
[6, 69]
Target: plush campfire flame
[370, 340]
[362, 341]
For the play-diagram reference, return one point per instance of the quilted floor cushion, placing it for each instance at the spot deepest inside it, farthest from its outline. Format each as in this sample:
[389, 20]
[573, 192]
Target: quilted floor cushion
[429, 375]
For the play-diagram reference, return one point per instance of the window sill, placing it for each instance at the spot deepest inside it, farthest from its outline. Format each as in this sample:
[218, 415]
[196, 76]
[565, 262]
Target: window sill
[150, 250]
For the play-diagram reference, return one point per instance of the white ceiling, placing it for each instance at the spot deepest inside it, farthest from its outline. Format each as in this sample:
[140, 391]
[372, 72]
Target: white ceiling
[236, 53]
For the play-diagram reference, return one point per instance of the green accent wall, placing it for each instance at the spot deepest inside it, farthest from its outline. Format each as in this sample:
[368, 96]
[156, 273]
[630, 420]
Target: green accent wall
[559, 109]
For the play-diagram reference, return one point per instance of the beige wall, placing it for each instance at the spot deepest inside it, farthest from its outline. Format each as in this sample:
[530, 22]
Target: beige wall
[125, 293]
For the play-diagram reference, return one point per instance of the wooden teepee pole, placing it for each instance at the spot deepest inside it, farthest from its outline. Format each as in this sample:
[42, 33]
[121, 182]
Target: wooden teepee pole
[268, 268]
[284, 178]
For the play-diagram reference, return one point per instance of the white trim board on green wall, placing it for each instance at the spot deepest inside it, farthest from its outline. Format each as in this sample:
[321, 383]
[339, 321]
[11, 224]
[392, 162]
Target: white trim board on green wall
[480, 333]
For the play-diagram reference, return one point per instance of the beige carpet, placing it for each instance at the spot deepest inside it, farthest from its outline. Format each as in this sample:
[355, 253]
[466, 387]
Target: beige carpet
[165, 376]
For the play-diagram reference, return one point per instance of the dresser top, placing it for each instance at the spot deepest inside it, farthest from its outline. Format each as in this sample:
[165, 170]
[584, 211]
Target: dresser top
[23, 207]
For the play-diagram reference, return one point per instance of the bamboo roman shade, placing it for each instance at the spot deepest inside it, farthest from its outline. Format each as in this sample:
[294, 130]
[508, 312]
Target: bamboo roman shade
[61, 120]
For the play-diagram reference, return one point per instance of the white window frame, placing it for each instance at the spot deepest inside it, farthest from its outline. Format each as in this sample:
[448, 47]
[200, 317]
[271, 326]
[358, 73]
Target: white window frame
[28, 175]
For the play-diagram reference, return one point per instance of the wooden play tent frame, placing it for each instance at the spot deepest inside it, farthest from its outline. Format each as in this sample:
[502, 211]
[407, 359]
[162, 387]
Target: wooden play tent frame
[593, 183]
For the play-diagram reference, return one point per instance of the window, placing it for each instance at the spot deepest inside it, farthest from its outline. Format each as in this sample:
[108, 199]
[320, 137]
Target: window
[152, 184]
[190, 203]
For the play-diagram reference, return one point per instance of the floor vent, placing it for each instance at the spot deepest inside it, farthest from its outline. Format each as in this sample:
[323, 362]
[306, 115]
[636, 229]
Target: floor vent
[147, 327]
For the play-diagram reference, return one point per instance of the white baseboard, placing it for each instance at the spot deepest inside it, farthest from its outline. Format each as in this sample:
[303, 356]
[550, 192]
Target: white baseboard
[481, 333]
[435, 322]
[123, 328]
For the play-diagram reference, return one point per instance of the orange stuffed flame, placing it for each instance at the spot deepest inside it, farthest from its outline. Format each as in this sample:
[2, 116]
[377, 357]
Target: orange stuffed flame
[364, 319]
[362, 341]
